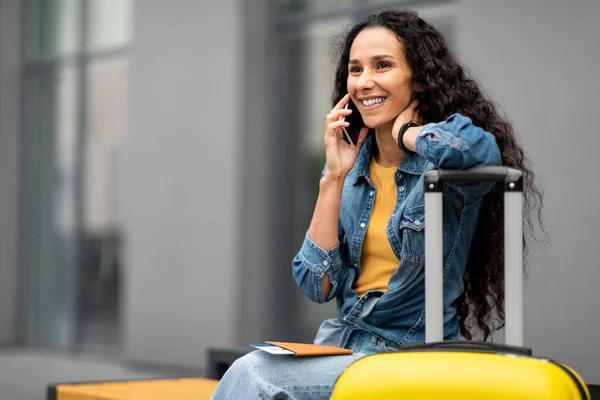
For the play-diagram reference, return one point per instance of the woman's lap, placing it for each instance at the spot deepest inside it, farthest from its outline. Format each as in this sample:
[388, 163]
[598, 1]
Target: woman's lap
[260, 375]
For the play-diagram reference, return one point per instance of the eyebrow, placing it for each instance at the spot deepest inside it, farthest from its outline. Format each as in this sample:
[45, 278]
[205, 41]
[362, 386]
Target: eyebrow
[378, 57]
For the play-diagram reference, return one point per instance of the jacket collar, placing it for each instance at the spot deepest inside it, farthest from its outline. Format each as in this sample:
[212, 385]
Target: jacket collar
[412, 164]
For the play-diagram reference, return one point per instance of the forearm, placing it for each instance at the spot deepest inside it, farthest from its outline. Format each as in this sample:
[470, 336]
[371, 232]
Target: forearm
[323, 228]
[410, 137]
[457, 144]
[454, 143]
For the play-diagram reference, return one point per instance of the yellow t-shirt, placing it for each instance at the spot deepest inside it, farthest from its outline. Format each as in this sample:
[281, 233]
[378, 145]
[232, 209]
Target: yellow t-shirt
[378, 261]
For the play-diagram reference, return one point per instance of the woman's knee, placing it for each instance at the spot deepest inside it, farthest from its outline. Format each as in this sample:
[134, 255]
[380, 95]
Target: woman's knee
[248, 364]
[241, 378]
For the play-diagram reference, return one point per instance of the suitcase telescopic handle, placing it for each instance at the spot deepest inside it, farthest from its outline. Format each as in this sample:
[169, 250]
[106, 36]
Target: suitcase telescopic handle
[513, 246]
[479, 173]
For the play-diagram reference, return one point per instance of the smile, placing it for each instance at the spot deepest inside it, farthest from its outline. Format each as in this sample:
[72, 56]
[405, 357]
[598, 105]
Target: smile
[372, 103]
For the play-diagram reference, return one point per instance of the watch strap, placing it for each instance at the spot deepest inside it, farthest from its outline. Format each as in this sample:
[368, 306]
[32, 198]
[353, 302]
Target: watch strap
[403, 130]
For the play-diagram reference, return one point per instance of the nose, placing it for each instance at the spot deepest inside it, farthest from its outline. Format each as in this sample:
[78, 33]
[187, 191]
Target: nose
[365, 81]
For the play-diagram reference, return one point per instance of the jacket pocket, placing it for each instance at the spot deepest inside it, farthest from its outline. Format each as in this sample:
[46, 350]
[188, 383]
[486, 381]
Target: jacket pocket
[412, 232]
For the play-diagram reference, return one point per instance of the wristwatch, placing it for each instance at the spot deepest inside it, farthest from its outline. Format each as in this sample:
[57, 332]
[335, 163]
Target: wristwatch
[403, 130]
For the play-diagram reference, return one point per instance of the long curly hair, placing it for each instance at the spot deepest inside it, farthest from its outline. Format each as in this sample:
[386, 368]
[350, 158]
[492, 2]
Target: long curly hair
[445, 88]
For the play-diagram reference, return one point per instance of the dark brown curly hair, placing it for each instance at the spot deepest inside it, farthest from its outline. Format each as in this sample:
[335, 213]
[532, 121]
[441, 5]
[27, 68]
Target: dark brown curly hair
[445, 88]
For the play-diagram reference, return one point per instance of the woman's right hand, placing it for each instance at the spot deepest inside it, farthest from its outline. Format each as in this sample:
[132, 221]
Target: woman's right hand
[339, 154]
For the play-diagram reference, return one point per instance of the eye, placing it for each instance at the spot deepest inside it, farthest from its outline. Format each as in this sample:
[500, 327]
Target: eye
[384, 64]
[354, 70]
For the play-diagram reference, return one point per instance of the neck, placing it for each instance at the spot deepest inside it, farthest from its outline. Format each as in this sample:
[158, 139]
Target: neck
[389, 155]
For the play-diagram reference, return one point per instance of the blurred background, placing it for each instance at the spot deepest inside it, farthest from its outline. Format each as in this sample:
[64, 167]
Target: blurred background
[159, 165]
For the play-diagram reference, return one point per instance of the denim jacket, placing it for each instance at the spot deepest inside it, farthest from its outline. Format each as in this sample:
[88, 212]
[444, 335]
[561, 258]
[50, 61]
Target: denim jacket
[397, 315]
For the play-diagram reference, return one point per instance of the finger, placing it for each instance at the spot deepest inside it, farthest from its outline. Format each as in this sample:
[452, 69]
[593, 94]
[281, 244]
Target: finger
[334, 130]
[342, 102]
[362, 136]
[334, 136]
[337, 125]
[335, 115]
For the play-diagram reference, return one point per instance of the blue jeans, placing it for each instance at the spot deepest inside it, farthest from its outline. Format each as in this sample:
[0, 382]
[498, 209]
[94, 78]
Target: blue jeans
[259, 375]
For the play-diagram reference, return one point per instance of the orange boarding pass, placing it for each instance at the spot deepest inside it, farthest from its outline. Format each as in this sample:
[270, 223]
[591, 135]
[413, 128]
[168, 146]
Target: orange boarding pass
[300, 349]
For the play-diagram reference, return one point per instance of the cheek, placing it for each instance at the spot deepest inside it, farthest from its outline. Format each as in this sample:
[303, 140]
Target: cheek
[351, 86]
[402, 93]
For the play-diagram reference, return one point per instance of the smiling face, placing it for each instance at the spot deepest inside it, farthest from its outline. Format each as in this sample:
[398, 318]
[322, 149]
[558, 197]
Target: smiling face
[379, 78]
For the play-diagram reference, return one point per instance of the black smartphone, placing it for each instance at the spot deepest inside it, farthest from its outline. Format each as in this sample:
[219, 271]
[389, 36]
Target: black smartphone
[356, 124]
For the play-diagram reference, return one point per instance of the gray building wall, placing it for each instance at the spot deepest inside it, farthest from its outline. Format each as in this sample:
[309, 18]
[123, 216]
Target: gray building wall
[181, 185]
[539, 59]
[255, 254]
[10, 114]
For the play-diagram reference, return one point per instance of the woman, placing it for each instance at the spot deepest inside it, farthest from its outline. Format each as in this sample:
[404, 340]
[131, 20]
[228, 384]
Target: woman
[365, 243]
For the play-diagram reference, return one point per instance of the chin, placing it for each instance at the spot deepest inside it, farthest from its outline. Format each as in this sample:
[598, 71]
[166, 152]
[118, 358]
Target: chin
[376, 123]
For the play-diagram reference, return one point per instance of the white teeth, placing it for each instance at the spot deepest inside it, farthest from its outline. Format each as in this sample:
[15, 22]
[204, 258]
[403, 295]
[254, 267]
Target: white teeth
[371, 102]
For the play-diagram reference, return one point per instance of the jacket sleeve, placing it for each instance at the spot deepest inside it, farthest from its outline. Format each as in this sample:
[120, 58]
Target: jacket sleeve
[311, 264]
[457, 143]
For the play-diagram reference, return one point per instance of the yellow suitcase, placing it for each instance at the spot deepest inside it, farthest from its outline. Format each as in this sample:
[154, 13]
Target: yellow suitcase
[452, 373]
[465, 370]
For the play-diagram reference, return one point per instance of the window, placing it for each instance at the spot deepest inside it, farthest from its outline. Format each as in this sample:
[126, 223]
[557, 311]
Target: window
[76, 80]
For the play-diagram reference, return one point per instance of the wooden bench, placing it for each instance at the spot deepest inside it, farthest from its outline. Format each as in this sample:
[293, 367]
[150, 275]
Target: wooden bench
[172, 389]
[219, 360]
